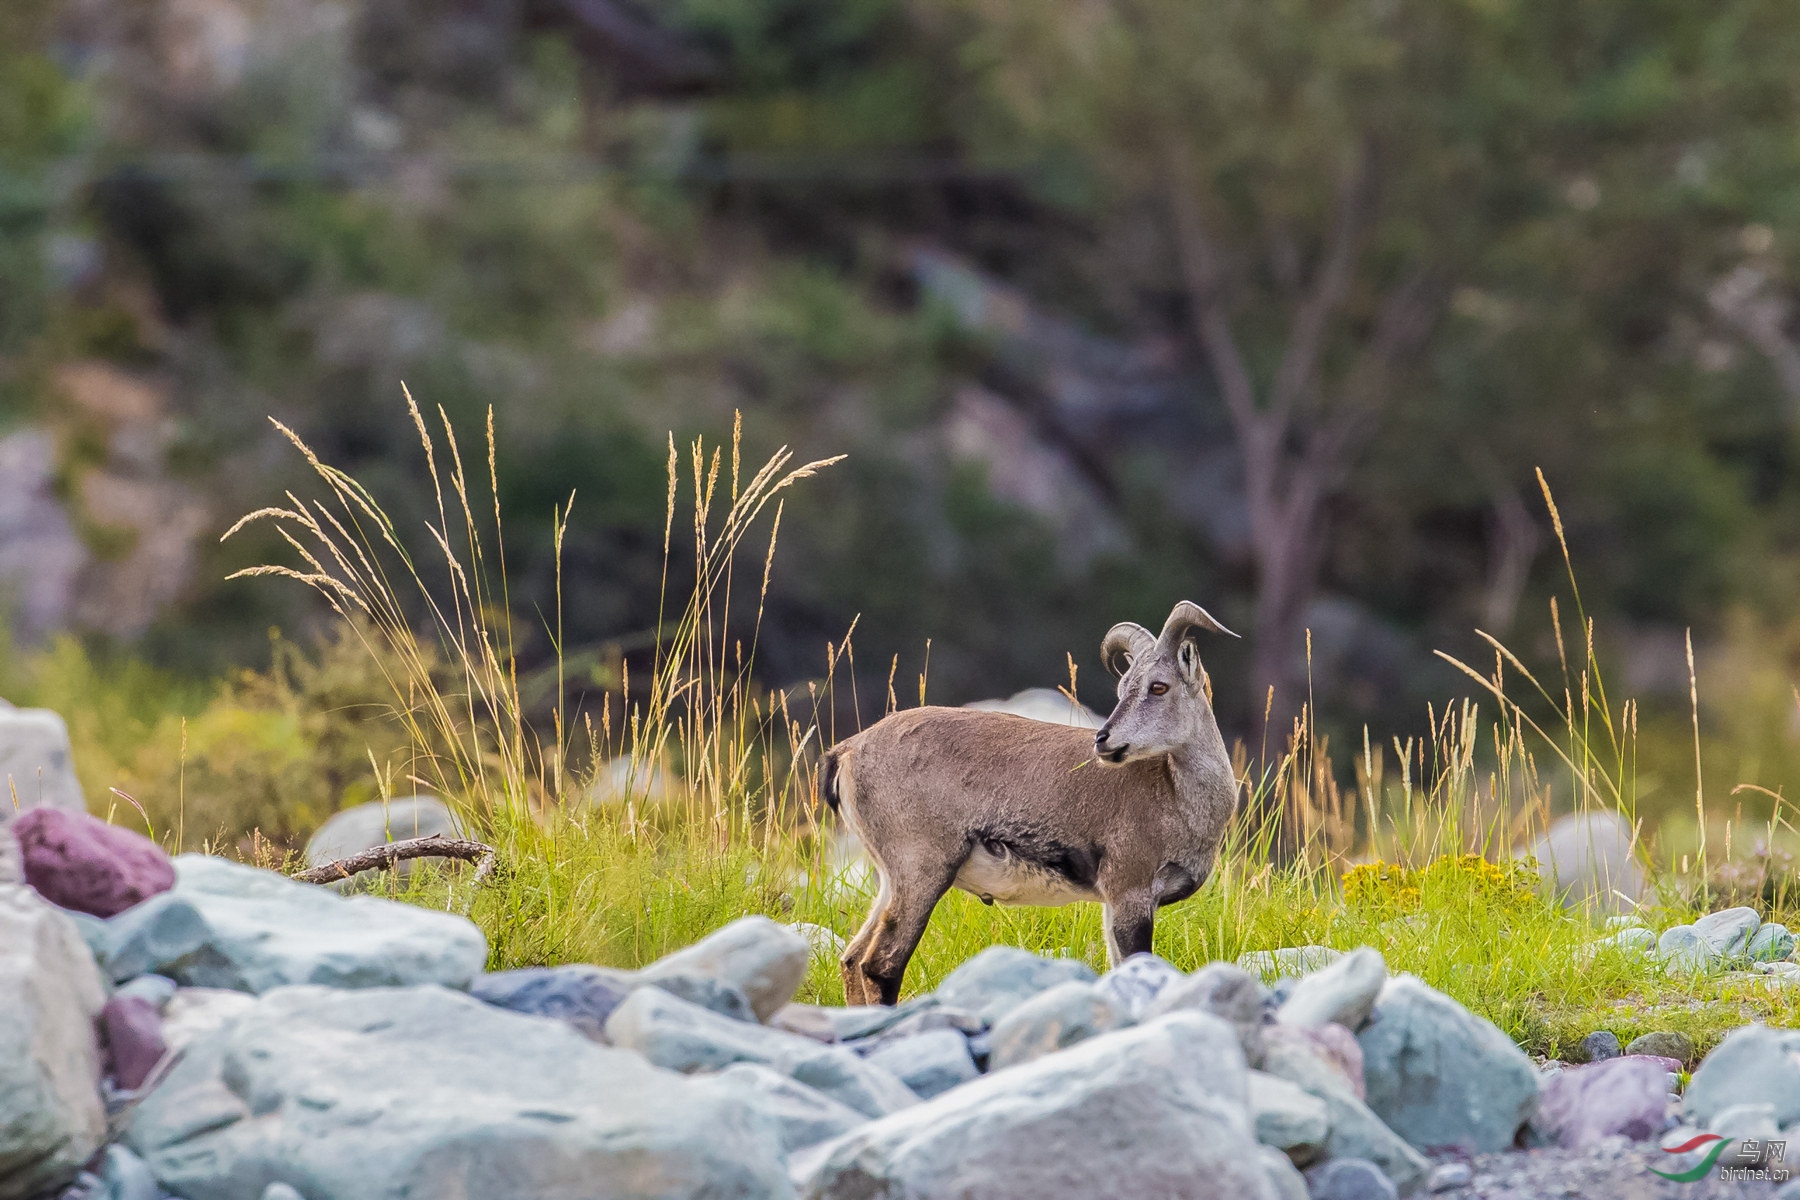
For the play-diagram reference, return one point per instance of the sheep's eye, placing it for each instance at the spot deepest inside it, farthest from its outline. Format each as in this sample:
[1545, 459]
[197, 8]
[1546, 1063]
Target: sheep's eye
[1157, 689]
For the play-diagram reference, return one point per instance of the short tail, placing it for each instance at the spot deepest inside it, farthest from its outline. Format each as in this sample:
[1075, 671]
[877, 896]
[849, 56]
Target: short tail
[829, 781]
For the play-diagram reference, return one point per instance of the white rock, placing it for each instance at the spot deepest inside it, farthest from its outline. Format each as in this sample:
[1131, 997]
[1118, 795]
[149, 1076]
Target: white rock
[1050, 1021]
[1343, 992]
[1070, 1125]
[804, 1116]
[1000, 978]
[824, 942]
[426, 1092]
[228, 925]
[194, 1012]
[765, 959]
[1288, 960]
[1356, 1132]
[37, 768]
[1043, 704]
[1288, 1118]
[51, 1116]
[1727, 933]
[1134, 984]
[1753, 1065]
[680, 1036]
[1587, 859]
[929, 1063]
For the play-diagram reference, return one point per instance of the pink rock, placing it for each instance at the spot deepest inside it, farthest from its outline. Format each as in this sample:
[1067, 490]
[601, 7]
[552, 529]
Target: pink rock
[134, 1041]
[1667, 1064]
[1331, 1043]
[81, 862]
[1581, 1105]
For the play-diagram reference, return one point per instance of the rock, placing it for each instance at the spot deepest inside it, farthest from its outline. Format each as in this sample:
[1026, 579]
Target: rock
[1000, 978]
[925, 1020]
[866, 1020]
[1356, 1132]
[929, 1063]
[125, 1176]
[1745, 1121]
[1074, 1124]
[764, 959]
[1447, 1177]
[80, 862]
[1600, 1045]
[579, 995]
[423, 1091]
[1288, 961]
[1134, 984]
[1343, 992]
[1043, 704]
[1664, 1043]
[366, 826]
[1773, 943]
[1288, 1117]
[1050, 1021]
[1285, 1180]
[1440, 1075]
[673, 1033]
[36, 765]
[1334, 1046]
[804, 1117]
[1229, 992]
[194, 1013]
[51, 1117]
[1619, 1097]
[1587, 859]
[1683, 949]
[1350, 1179]
[824, 943]
[157, 989]
[1753, 1065]
[132, 1027]
[807, 1020]
[1727, 933]
[281, 1191]
[1633, 939]
[233, 926]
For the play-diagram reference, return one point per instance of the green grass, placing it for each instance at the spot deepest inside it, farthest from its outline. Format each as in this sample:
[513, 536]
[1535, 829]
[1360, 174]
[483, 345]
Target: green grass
[623, 879]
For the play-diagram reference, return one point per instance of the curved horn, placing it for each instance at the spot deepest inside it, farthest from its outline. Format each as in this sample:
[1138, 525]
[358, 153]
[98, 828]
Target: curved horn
[1184, 619]
[1121, 643]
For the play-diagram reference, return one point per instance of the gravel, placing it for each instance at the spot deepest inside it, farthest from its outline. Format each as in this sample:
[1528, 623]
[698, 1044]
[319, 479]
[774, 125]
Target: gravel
[1614, 1169]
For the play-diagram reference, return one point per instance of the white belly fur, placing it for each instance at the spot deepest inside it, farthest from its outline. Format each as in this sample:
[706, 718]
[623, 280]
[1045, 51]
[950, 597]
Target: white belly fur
[1009, 880]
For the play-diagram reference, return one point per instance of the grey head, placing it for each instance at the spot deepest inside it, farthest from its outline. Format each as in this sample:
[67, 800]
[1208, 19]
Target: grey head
[1163, 701]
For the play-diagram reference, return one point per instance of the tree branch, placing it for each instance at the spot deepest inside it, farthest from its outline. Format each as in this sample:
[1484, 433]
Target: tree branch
[1306, 342]
[435, 846]
[1200, 270]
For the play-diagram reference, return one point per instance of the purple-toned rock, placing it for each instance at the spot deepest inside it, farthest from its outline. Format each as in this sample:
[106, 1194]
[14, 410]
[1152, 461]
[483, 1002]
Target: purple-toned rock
[134, 1042]
[80, 862]
[1333, 1045]
[1621, 1096]
[1672, 1065]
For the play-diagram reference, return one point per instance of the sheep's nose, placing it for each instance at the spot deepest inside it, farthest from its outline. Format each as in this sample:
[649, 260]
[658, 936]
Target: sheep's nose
[1100, 736]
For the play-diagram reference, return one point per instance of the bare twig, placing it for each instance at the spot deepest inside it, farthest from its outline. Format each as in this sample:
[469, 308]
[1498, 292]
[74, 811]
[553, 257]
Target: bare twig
[435, 846]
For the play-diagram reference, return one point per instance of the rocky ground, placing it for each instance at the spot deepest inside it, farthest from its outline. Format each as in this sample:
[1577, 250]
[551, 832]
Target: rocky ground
[205, 1030]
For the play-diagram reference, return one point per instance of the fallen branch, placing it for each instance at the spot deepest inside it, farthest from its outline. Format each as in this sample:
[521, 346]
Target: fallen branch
[435, 846]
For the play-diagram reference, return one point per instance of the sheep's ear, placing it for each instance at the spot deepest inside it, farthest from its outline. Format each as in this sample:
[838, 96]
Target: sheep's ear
[1122, 643]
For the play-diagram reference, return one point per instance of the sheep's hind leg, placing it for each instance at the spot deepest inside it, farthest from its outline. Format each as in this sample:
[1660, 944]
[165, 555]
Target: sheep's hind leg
[901, 926]
[856, 985]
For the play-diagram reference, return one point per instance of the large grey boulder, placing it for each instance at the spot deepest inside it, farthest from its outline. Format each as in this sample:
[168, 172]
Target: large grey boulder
[227, 925]
[1586, 859]
[1227, 991]
[803, 1116]
[1000, 978]
[1356, 1132]
[1343, 992]
[673, 1033]
[1043, 704]
[763, 958]
[1753, 1065]
[1050, 1021]
[1439, 1075]
[1288, 1117]
[386, 1093]
[51, 1116]
[1156, 1110]
[36, 765]
[928, 1063]
[377, 823]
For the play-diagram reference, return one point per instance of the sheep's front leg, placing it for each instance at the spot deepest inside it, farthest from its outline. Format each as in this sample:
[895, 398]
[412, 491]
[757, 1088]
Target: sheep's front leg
[1130, 925]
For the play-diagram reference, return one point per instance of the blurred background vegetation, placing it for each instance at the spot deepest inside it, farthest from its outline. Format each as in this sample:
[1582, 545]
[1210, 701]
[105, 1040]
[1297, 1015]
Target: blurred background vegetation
[1276, 305]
